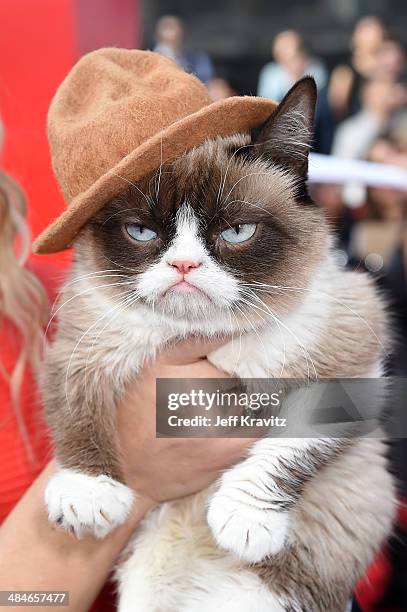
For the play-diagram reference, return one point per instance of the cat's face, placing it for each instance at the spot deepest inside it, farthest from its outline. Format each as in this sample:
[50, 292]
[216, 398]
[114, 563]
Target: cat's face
[222, 228]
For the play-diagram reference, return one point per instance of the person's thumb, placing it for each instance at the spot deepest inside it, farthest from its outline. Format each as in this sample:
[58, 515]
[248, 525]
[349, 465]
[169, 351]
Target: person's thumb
[191, 350]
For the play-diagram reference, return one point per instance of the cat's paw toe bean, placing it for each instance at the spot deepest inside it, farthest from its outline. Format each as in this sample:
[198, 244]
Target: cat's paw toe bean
[249, 532]
[87, 504]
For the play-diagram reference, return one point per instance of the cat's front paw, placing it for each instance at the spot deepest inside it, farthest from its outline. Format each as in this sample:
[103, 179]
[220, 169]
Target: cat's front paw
[246, 530]
[87, 504]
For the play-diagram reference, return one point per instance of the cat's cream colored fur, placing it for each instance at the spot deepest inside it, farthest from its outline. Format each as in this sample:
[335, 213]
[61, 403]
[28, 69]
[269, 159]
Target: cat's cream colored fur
[295, 524]
[346, 510]
[345, 513]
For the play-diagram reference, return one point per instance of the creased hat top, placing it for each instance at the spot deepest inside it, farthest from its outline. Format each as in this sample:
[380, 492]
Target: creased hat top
[111, 102]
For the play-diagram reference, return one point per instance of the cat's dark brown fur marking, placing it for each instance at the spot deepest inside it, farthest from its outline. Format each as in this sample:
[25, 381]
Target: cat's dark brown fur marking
[290, 238]
[223, 183]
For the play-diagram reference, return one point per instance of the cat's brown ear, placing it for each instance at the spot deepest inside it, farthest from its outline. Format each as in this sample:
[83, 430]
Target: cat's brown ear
[285, 138]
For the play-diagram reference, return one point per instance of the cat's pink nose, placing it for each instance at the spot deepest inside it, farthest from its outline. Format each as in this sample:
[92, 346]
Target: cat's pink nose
[185, 265]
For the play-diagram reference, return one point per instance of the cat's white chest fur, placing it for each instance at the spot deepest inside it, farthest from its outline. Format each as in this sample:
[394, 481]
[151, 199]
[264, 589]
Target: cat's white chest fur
[174, 564]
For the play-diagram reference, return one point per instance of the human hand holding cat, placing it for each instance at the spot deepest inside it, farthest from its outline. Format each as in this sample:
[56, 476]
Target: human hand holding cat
[157, 469]
[166, 468]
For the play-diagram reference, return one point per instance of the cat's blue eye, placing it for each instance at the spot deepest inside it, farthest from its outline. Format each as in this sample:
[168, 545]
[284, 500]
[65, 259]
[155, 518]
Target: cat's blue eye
[140, 232]
[239, 233]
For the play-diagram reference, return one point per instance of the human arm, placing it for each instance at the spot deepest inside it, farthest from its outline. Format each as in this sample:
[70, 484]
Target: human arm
[34, 555]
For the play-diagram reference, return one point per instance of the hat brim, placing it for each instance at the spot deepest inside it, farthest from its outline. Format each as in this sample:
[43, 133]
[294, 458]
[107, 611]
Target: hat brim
[222, 118]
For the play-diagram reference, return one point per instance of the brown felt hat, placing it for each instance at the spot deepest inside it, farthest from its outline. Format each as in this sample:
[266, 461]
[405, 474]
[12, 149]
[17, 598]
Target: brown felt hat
[119, 114]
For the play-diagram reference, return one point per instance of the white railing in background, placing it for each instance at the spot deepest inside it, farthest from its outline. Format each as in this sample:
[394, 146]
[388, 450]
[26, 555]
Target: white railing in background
[329, 169]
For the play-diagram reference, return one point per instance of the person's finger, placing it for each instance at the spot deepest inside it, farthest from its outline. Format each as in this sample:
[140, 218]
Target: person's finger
[222, 451]
[228, 451]
[191, 350]
[198, 369]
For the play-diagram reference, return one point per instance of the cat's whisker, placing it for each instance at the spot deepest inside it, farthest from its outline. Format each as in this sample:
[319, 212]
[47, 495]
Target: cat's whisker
[74, 351]
[239, 329]
[265, 287]
[223, 181]
[246, 146]
[250, 294]
[98, 274]
[306, 353]
[159, 171]
[89, 353]
[253, 329]
[124, 299]
[101, 273]
[269, 312]
[127, 300]
[145, 196]
[119, 212]
[118, 265]
[284, 349]
[77, 295]
[250, 204]
[241, 179]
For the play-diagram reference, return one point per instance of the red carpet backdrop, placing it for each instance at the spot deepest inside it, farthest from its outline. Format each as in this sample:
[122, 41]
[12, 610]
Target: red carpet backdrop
[39, 42]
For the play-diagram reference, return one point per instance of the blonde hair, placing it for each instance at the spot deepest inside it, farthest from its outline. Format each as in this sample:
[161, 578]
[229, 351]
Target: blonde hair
[23, 300]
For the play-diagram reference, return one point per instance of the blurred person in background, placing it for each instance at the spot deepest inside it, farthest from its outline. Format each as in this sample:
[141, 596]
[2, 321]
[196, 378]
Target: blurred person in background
[385, 203]
[383, 103]
[170, 41]
[329, 197]
[344, 89]
[219, 88]
[391, 148]
[391, 61]
[291, 62]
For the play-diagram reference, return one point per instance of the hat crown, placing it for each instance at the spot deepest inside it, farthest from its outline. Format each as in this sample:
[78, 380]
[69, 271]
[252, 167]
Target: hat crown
[111, 102]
